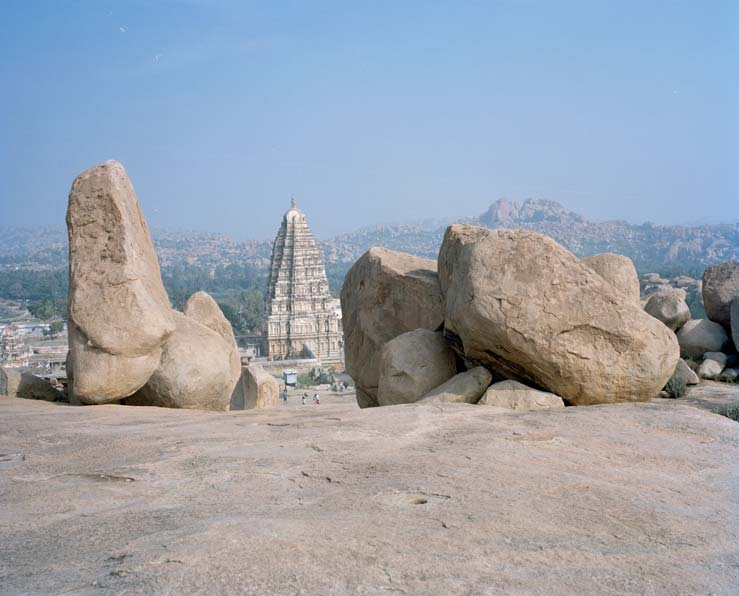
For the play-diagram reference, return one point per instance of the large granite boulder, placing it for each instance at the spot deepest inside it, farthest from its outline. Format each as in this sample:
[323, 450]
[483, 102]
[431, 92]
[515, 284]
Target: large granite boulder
[618, 270]
[196, 370]
[720, 288]
[202, 308]
[413, 364]
[119, 312]
[517, 396]
[734, 315]
[699, 336]
[385, 293]
[256, 389]
[522, 304]
[466, 387]
[670, 307]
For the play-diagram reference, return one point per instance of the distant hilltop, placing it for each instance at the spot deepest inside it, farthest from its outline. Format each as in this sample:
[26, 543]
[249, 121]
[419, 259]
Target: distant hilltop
[670, 250]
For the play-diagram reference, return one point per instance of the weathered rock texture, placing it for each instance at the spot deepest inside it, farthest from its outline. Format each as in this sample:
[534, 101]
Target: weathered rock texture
[412, 364]
[119, 312]
[256, 389]
[10, 378]
[699, 336]
[385, 293]
[196, 370]
[670, 307]
[735, 322]
[720, 288]
[516, 396]
[618, 270]
[466, 387]
[527, 307]
[450, 499]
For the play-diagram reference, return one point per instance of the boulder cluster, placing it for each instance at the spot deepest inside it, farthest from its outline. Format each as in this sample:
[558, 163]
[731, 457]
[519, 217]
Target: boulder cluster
[507, 318]
[126, 342]
[708, 346]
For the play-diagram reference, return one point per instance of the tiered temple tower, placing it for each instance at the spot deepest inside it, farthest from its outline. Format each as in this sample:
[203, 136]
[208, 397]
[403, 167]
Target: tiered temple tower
[301, 315]
[13, 352]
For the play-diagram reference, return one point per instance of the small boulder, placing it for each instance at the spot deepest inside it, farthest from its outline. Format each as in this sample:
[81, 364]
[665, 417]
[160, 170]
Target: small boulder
[618, 270]
[256, 389]
[710, 369]
[699, 336]
[735, 322]
[729, 375]
[16, 383]
[670, 307]
[413, 364]
[517, 396]
[466, 387]
[720, 288]
[385, 293]
[688, 374]
[523, 305]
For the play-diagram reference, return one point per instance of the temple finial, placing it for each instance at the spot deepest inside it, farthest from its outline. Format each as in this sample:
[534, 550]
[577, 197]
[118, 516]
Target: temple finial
[292, 201]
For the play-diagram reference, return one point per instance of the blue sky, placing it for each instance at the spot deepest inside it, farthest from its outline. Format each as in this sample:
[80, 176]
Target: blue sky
[372, 111]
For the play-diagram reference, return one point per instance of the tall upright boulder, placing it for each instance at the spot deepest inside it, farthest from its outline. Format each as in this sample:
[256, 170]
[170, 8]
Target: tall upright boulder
[385, 293]
[735, 322]
[618, 270]
[525, 306]
[119, 312]
[720, 288]
[256, 389]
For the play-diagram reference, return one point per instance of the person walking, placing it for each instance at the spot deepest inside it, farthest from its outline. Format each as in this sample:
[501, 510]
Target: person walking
[284, 396]
[304, 396]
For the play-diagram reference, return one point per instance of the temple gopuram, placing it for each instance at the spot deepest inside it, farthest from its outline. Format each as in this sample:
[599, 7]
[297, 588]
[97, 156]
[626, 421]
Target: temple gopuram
[301, 317]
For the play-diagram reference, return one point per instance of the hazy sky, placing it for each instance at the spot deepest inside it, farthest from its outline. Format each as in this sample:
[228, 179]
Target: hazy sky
[372, 111]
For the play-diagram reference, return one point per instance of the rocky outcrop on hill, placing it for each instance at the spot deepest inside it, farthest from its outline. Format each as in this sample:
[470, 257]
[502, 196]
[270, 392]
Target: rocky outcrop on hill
[125, 341]
[509, 297]
[385, 294]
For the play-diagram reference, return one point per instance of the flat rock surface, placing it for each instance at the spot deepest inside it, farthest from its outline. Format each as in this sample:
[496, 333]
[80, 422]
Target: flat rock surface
[412, 499]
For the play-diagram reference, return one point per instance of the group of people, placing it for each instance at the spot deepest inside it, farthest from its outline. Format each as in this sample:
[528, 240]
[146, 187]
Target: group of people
[304, 398]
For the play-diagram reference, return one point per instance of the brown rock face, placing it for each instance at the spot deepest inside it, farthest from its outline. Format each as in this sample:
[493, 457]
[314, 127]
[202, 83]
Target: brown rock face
[256, 389]
[618, 270]
[385, 293]
[524, 305]
[117, 303]
[720, 288]
[196, 370]
[413, 364]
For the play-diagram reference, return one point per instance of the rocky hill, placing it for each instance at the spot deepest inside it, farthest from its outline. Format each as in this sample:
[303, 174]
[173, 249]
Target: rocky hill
[670, 250]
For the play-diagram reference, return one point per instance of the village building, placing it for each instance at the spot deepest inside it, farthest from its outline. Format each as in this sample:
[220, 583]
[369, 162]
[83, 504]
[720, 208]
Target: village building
[301, 319]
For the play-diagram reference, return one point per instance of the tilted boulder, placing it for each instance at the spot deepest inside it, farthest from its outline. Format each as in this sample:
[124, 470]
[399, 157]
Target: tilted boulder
[413, 364]
[466, 387]
[669, 306]
[618, 270]
[688, 374]
[16, 383]
[119, 312]
[256, 389]
[523, 305]
[196, 370]
[699, 336]
[720, 288]
[517, 396]
[385, 293]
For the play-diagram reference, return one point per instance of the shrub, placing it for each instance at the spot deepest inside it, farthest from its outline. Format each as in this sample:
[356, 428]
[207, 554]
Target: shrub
[676, 386]
[731, 411]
